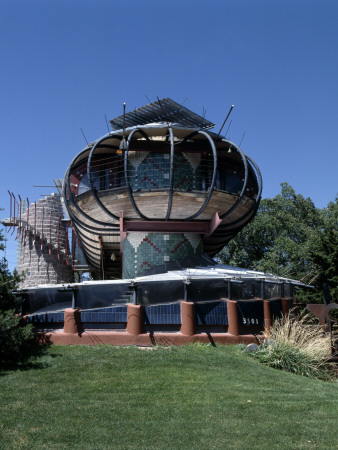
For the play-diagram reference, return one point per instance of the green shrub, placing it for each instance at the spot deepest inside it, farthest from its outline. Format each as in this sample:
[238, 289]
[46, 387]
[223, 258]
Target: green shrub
[15, 334]
[15, 337]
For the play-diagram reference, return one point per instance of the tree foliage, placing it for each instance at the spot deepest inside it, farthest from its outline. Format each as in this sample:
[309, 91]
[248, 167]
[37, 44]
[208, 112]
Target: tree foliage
[289, 237]
[15, 334]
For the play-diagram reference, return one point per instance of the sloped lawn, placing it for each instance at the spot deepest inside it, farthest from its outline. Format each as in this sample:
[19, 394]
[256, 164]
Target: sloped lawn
[192, 397]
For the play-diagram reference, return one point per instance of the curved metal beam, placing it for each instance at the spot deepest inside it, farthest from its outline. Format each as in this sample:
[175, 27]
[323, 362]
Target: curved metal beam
[255, 205]
[90, 179]
[246, 173]
[126, 177]
[66, 189]
[212, 186]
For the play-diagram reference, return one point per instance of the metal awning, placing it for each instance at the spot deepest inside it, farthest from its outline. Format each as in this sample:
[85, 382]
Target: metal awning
[165, 110]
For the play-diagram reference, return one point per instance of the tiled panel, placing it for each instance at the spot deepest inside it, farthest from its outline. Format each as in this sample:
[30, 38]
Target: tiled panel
[251, 313]
[142, 251]
[213, 313]
[152, 171]
[163, 314]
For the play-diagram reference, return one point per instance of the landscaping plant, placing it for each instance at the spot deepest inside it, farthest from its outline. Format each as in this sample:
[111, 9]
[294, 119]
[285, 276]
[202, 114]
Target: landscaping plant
[297, 345]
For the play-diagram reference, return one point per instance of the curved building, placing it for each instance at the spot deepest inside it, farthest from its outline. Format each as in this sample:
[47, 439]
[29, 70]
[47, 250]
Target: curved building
[160, 191]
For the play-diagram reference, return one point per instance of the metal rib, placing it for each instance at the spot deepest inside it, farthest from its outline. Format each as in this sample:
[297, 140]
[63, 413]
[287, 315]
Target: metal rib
[211, 189]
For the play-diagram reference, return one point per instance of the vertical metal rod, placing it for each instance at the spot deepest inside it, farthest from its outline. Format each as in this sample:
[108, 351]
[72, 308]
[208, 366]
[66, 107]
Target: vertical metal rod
[10, 212]
[20, 225]
[43, 219]
[17, 229]
[14, 201]
[59, 238]
[50, 233]
[67, 243]
[171, 174]
[73, 299]
[27, 225]
[74, 246]
[232, 107]
[34, 222]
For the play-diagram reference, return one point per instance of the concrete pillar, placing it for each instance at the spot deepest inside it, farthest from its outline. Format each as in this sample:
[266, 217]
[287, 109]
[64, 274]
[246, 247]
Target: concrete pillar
[72, 321]
[135, 319]
[267, 315]
[233, 320]
[188, 318]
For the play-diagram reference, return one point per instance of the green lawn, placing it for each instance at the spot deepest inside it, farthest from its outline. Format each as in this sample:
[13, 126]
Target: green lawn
[193, 397]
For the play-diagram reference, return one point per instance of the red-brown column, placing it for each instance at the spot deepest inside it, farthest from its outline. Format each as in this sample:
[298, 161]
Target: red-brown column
[188, 318]
[135, 319]
[285, 307]
[267, 315]
[72, 321]
[233, 320]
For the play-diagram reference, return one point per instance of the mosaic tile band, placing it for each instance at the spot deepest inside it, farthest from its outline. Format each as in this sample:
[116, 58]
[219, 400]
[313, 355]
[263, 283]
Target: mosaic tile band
[142, 251]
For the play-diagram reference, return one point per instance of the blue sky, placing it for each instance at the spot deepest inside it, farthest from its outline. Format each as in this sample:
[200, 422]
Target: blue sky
[65, 64]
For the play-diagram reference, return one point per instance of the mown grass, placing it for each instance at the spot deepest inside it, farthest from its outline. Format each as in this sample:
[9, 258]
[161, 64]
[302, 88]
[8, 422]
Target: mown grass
[190, 397]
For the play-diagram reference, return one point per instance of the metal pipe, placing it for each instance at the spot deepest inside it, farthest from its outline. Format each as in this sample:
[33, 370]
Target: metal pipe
[34, 222]
[50, 233]
[20, 225]
[43, 219]
[17, 229]
[67, 243]
[232, 107]
[14, 218]
[27, 225]
[58, 250]
[171, 174]
[10, 213]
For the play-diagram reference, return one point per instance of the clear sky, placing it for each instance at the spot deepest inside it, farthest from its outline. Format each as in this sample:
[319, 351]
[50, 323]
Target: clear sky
[67, 63]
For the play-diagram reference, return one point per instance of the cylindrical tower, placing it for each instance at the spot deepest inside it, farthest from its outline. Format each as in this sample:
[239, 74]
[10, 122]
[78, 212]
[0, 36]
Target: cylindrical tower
[42, 244]
[158, 192]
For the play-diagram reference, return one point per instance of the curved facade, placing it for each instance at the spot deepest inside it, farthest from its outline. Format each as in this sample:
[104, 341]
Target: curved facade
[156, 193]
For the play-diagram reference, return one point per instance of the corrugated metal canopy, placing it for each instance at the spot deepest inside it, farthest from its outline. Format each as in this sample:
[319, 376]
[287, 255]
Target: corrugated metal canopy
[165, 110]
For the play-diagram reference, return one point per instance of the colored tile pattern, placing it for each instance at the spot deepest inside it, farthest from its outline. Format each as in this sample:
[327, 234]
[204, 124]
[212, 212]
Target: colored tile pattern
[143, 251]
[213, 313]
[152, 170]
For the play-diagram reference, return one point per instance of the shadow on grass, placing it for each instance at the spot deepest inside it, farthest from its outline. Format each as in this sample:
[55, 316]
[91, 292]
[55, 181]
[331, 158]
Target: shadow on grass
[33, 356]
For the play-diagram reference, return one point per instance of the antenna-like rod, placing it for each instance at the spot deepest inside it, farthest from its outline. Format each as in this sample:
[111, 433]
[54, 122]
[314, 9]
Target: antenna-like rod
[84, 135]
[232, 107]
[228, 128]
[242, 139]
[123, 143]
[107, 123]
[159, 101]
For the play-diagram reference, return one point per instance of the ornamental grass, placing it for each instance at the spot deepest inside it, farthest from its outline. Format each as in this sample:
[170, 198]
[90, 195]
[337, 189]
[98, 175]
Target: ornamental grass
[297, 345]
